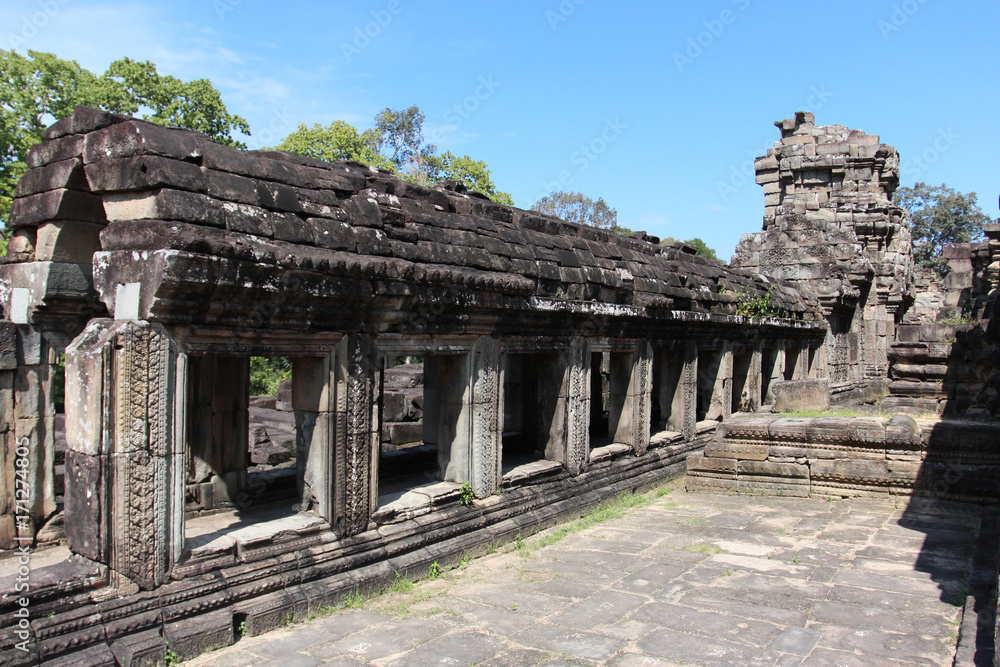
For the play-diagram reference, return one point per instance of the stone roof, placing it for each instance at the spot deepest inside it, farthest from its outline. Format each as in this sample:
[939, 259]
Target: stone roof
[204, 226]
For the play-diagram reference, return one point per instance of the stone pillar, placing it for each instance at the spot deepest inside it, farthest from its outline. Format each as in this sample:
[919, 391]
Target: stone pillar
[314, 391]
[596, 386]
[715, 382]
[563, 398]
[466, 407]
[689, 391]
[8, 442]
[631, 395]
[218, 427]
[779, 364]
[446, 385]
[802, 361]
[32, 424]
[746, 364]
[724, 382]
[125, 424]
[578, 401]
[819, 366]
[619, 377]
[358, 378]
[756, 364]
[486, 415]
[669, 396]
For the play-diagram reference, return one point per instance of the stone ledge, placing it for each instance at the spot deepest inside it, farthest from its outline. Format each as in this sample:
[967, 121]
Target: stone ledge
[531, 473]
[848, 456]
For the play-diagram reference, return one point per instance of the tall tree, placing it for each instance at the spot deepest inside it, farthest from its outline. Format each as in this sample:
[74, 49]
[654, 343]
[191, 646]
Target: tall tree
[399, 135]
[396, 143]
[940, 215]
[579, 208]
[336, 141]
[39, 88]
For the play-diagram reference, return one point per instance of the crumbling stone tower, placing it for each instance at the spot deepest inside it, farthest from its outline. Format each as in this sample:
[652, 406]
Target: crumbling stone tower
[831, 228]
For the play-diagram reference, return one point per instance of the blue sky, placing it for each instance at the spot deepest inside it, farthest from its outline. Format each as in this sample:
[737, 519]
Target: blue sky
[659, 108]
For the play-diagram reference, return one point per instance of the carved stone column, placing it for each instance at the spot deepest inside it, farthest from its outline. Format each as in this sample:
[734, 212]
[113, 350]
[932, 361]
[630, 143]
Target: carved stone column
[578, 402]
[358, 378]
[125, 424]
[754, 379]
[486, 415]
[689, 391]
[465, 411]
[631, 395]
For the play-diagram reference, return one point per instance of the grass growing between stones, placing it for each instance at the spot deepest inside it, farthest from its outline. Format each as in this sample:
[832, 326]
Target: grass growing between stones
[704, 548]
[399, 595]
[614, 509]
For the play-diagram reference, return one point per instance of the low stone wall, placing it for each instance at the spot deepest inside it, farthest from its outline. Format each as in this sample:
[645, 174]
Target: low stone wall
[850, 456]
[76, 620]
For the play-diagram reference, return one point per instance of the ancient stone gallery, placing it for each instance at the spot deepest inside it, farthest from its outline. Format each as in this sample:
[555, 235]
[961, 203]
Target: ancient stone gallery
[459, 372]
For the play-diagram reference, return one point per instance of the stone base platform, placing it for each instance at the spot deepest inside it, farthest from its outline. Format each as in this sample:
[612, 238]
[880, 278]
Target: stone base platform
[687, 579]
[239, 579]
[851, 457]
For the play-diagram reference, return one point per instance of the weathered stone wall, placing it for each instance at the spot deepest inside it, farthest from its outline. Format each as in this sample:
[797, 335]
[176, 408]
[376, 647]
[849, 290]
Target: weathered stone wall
[241, 253]
[850, 456]
[831, 229]
[946, 356]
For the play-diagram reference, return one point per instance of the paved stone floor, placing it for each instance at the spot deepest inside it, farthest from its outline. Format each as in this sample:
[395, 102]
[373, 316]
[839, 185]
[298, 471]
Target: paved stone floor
[685, 579]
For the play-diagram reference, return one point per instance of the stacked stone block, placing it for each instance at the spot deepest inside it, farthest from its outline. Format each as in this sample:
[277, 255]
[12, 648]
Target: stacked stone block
[402, 406]
[849, 457]
[830, 228]
[944, 358]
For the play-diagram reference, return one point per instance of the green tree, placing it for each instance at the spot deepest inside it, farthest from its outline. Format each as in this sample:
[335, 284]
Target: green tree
[701, 248]
[581, 209]
[395, 142]
[132, 87]
[939, 216]
[474, 173]
[399, 135]
[336, 141]
[37, 89]
[267, 373]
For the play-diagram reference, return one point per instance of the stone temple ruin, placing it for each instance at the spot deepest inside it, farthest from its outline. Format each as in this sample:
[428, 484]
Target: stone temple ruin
[461, 372]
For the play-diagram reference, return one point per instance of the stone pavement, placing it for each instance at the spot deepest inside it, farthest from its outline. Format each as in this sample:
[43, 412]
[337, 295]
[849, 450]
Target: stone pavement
[685, 579]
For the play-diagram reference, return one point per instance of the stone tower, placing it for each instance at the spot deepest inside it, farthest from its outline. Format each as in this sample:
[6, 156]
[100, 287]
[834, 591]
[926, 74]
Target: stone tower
[830, 226]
